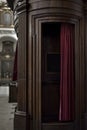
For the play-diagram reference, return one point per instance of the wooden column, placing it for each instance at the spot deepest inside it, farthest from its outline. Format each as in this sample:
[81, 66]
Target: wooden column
[85, 122]
[21, 25]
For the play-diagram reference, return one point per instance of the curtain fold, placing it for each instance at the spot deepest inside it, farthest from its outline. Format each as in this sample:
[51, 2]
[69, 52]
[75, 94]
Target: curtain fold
[67, 95]
[14, 78]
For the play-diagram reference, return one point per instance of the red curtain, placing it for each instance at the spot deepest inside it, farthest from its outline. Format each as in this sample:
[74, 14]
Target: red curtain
[66, 112]
[15, 66]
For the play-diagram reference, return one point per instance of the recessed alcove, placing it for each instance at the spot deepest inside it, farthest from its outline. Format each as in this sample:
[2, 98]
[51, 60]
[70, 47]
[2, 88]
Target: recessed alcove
[53, 49]
[50, 71]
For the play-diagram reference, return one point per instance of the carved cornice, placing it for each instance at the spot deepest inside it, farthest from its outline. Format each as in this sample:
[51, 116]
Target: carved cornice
[70, 7]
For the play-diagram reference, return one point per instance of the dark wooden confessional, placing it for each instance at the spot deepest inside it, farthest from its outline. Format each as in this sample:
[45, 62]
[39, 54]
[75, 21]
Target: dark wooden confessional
[38, 25]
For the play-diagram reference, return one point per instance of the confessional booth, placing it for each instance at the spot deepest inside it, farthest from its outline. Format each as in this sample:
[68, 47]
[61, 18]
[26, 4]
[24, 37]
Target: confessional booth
[52, 47]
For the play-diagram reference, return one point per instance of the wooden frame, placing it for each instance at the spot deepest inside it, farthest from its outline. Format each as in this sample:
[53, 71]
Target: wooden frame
[36, 21]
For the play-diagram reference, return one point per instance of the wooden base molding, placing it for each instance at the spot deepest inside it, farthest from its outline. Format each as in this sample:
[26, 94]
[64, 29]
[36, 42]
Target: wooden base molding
[58, 126]
[84, 122]
[20, 120]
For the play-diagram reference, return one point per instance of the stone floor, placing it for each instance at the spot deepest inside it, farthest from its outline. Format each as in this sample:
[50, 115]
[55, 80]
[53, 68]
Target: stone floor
[6, 110]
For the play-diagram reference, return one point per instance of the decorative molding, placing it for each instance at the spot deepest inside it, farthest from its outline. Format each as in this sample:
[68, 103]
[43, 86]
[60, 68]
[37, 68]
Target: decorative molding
[7, 32]
[70, 7]
[20, 118]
